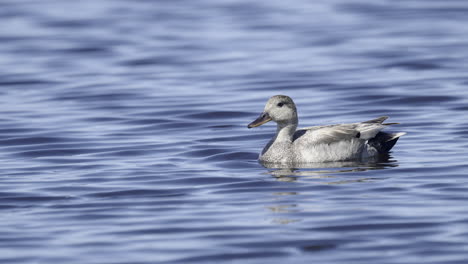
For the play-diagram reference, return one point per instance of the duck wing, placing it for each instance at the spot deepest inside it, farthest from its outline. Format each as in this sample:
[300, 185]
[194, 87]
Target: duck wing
[334, 133]
[327, 134]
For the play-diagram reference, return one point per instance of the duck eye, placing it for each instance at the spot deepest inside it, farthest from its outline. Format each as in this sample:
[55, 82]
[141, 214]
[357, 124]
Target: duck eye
[280, 104]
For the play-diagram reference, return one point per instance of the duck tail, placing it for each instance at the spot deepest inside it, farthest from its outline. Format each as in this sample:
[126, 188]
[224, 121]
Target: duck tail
[384, 142]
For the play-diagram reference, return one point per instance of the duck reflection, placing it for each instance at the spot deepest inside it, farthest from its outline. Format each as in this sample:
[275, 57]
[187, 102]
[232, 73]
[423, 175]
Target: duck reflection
[284, 210]
[328, 170]
[288, 205]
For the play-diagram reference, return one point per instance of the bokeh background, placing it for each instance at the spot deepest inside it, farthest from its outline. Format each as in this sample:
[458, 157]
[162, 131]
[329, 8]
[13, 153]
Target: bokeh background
[123, 132]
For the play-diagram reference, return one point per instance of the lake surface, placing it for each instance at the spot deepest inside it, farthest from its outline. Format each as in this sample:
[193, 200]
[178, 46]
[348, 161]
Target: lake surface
[123, 131]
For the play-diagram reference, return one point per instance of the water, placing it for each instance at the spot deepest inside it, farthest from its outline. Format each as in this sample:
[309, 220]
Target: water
[123, 131]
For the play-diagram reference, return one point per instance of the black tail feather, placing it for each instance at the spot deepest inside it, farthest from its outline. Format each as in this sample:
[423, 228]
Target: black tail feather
[384, 142]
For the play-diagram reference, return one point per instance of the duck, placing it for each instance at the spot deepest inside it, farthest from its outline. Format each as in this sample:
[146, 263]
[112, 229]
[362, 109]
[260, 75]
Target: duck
[324, 143]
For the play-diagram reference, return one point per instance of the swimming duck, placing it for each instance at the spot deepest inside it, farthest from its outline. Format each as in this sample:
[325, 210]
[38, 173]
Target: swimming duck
[340, 142]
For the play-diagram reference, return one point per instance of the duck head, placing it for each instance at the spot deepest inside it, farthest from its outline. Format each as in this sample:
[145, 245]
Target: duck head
[279, 108]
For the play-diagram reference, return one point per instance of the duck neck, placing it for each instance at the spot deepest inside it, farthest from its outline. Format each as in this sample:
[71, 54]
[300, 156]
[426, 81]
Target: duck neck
[285, 132]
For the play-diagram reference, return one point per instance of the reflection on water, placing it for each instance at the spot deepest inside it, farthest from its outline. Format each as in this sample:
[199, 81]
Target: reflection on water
[284, 221]
[379, 162]
[329, 170]
[294, 176]
[329, 173]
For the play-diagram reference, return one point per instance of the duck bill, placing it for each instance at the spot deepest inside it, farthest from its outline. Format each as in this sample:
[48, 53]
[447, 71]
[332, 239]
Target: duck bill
[262, 119]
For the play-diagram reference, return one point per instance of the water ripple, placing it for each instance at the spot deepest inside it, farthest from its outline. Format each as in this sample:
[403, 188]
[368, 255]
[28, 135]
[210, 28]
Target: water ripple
[123, 132]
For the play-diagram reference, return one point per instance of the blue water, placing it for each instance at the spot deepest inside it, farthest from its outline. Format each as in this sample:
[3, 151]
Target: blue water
[123, 131]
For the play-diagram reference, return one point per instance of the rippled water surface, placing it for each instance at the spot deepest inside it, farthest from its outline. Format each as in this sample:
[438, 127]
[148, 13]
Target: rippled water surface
[123, 131]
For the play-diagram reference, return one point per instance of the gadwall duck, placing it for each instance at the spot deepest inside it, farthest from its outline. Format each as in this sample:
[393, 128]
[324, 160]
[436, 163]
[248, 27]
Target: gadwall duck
[340, 142]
